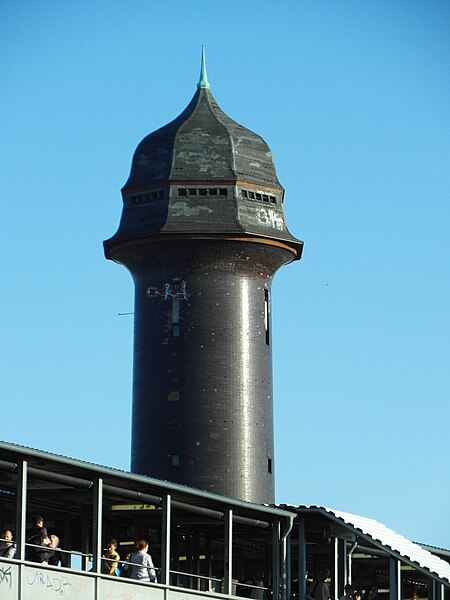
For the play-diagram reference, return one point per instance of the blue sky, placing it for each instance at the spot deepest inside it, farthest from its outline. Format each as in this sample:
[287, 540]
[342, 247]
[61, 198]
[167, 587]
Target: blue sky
[353, 99]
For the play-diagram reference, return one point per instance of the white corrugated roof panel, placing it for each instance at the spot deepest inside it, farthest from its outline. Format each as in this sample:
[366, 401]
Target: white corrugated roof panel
[391, 540]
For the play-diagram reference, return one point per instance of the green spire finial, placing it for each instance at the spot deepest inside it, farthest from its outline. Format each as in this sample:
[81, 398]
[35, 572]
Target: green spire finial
[203, 82]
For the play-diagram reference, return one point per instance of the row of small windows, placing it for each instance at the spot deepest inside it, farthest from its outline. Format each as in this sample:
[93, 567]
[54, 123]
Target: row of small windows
[259, 197]
[202, 192]
[158, 194]
[144, 198]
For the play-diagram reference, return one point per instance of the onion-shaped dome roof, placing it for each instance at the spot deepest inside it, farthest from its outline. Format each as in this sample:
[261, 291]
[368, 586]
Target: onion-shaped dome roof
[202, 143]
[203, 173]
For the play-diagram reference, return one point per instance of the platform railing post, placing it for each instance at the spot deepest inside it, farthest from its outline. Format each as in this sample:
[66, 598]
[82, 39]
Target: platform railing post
[97, 526]
[21, 519]
[336, 569]
[209, 563]
[196, 561]
[84, 541]
[342, 567]
[301, 559]
[276, 538]
[394, 579]
[286, 564]
[21, 509]
[165, 550]
[228, 553]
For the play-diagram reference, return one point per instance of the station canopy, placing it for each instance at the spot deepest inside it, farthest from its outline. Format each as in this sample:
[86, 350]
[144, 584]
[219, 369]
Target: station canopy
[383, 538]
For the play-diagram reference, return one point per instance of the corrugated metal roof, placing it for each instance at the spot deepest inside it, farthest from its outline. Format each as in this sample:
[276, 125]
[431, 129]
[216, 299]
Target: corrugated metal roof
[435, 549]
[391, 540]
[167, 486]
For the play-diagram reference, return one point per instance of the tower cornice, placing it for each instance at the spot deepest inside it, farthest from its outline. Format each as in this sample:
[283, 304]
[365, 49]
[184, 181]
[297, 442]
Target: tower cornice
[109, 248]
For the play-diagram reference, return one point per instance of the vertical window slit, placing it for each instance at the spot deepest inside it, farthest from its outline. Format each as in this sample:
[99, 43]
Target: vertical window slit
[175, 316]
[267, 315]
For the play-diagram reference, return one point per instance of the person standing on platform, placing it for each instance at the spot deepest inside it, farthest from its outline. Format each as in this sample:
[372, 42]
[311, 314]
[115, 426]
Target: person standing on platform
[56, 558]
[321, 587]
[142, 568]
[7, 546]
[348, 593]
[38, 540]
[110, 558]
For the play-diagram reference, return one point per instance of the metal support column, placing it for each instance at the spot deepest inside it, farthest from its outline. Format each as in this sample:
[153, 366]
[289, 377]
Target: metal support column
[165, 549]
[84, 541]
[350, 563]
[342, 567]
[196, 559]
[2, 512]
[394, 579]
[436, 590]
[287, 569]
[68, 540]
[276, 560]
[21, 517]
[189, 561]
[228, 553]
[97, 526]
[431, 589]
[21, 509]
[336, 568]
[301, 559]
[212, 587]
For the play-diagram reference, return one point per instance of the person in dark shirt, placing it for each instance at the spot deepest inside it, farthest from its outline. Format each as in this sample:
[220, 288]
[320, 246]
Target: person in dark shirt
[321, 588]
[348, 592]
[39, 541]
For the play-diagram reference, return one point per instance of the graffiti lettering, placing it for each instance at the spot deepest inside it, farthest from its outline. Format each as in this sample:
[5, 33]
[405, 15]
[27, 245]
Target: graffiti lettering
[5, 575]
[270, 218]
[59, 585]
[128, 595]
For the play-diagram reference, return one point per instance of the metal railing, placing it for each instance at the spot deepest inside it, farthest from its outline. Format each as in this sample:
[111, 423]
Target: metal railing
[214, 584]
[82, 562]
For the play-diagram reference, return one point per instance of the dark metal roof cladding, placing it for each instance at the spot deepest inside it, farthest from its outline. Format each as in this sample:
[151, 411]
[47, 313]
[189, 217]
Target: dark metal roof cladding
[202, 143]
[203, 173]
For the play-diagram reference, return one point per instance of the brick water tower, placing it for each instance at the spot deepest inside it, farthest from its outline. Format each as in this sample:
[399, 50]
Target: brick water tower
[202, 233]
